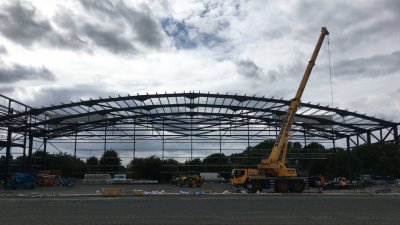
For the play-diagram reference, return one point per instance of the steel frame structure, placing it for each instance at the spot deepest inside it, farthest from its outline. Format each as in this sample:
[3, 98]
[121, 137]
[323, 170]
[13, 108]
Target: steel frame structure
[189, 119]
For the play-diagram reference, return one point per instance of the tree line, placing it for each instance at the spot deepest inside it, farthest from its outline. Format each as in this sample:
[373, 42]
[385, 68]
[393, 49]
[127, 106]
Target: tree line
[376, 159]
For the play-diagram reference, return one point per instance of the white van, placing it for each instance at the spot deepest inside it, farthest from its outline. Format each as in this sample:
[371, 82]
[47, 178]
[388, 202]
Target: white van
[212, 177]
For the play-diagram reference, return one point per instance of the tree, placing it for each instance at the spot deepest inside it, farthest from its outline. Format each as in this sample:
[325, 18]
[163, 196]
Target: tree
[61, 161]
[153, 168]
[217, 163]
[146, 168]
[377, 159]
[296, 145]
[110, 162]
[170, 167]
[252, 155]
[216, 159]
[194, 165]
[92, 164]
[314, 146]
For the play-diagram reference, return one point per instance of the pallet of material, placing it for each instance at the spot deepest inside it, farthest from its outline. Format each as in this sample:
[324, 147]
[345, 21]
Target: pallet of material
[137, 193]
[97, 179]
[119, 181]
[145, 181]
[111, 192]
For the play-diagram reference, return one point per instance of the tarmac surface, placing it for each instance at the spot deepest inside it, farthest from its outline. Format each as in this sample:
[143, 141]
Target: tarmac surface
[203, 209]
[213, 203]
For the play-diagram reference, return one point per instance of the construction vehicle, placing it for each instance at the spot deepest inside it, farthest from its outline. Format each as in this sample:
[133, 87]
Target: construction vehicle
[272, 171]
[52, 178]
[48, 177]
[21, 180]
[191, 179]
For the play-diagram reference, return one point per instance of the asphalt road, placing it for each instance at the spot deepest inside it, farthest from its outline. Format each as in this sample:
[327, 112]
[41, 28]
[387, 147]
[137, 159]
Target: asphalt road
[229, 209]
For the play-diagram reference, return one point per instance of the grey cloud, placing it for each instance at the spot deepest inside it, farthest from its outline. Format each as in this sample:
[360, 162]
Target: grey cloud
[293, 68]
[277, 33]
[352, 25]
[3, 49]
[17, 72]
[249, 69]
[96, 34]
[377, 65]
[7, 89]
[19, 24]
[146, 28]
[65, 20]
[56, 95]
[143, 24]
[108, 39]
[69, 41]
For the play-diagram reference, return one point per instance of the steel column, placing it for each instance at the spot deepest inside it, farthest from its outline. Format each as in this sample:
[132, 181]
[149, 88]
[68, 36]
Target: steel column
[191, 137]
[24, 151]
[220, 148]
[163, 147]
[74, 165]
[105, 138]
[334, 158]
[134, 140]
[44, 151]
[8, 156]
[349, 169]
[30, 151]
[305, 152]
[248, 144]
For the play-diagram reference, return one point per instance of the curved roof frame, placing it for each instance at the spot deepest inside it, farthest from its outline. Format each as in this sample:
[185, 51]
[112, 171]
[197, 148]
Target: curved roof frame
[176, 111]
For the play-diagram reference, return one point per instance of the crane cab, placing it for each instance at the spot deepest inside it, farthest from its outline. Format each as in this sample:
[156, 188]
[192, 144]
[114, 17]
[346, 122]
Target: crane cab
[240, 176]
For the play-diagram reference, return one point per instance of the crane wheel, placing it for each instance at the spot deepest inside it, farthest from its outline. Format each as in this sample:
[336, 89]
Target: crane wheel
[283, 186]
[298, 186]
[256, 187]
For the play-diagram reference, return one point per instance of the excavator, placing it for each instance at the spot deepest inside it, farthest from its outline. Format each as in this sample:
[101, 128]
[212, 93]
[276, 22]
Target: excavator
[272, 172]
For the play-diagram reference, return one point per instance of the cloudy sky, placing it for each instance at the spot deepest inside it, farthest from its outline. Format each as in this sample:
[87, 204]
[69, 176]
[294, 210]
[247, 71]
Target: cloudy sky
[56, 51]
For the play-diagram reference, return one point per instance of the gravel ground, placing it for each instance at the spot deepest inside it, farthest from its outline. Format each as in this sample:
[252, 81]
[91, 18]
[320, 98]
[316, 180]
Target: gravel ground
[203, 209]
[80, 189]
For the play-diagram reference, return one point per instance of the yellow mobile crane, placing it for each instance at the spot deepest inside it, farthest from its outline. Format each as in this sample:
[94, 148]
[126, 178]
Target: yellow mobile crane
[272, 171]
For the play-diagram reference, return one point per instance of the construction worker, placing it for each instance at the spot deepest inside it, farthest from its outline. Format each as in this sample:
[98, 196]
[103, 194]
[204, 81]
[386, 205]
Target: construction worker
[343, 182]
[320, 183]
[322, 179]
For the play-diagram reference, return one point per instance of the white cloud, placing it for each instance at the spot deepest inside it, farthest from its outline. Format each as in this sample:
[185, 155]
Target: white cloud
[196, 45]
[278, 38]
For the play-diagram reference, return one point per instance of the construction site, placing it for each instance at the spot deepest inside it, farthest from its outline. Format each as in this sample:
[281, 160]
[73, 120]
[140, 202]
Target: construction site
[162, 148]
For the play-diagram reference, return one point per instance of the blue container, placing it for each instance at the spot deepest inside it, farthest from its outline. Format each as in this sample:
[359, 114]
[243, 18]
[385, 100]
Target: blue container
[22, 180]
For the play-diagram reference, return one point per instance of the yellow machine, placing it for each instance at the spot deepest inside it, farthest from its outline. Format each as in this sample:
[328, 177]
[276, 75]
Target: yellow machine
[191, 179]
[272, 171]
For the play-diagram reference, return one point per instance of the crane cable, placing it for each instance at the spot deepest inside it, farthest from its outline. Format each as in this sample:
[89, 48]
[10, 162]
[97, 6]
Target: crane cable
[330, 79]
[330, 72]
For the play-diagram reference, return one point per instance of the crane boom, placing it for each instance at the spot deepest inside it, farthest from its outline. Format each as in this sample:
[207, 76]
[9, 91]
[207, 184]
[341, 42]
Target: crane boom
[271, 164]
